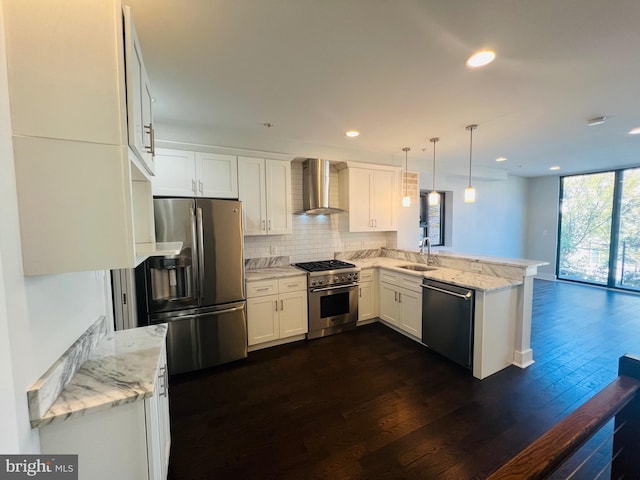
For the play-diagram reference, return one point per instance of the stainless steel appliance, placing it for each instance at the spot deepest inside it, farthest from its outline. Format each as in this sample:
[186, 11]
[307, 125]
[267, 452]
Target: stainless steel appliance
[200, 292]
[315, 187]
[447, 320]
[333, 296]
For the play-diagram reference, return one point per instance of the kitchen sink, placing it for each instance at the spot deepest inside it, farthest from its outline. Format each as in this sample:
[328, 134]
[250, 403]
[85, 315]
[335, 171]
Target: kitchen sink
[417, 267]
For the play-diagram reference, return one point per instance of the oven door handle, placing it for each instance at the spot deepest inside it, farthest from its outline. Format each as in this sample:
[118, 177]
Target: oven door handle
[335, 287]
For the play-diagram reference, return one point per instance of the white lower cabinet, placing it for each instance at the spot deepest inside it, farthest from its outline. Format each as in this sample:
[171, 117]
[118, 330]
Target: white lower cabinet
[367, 295]
[401, 301]
[128, 442]
[276, 309]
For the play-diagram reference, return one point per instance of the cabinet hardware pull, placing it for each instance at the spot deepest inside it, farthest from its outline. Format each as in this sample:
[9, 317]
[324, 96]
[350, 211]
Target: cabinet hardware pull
[360, 293]
[276, 302]
[269, 225]
[395, 295]
[281, 305]
[164, 377]
[193, 186]
[264, 225]
[399, 297]
[151, 148]
[293, 285]
[200, 184]
[264, 289]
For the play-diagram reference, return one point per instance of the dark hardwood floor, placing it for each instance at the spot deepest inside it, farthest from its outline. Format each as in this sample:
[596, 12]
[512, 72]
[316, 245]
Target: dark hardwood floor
[373, 404]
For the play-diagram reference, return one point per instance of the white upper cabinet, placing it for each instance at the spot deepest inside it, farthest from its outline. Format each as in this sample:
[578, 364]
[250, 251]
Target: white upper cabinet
[370, 197]
[139, 98]
[184, 173]
[80, 197]
[264, 187]
[217, 175]
[175, 173]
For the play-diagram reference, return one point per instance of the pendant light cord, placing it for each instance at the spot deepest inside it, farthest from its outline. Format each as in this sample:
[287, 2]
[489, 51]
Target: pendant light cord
[433, 183]
[470, 128]
[406, 153]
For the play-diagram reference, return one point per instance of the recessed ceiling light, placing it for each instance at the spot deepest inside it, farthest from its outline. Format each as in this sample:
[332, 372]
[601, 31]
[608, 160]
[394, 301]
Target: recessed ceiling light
[634, 131]
[592, 122]
[501, 159]
[352, 133]
[481, 58]
[555, 167]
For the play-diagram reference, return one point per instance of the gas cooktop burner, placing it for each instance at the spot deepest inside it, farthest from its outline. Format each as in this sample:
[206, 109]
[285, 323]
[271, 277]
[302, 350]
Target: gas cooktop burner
[323, 265]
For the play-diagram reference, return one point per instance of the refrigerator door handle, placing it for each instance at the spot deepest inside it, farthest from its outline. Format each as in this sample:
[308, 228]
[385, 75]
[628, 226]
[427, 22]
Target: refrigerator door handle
[200, 253]
[198, 315]
[196, 268]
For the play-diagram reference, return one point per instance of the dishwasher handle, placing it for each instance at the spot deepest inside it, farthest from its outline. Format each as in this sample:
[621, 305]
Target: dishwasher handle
[466, 296]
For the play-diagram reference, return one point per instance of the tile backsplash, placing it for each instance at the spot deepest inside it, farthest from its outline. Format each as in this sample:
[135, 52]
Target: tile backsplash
[314, 237]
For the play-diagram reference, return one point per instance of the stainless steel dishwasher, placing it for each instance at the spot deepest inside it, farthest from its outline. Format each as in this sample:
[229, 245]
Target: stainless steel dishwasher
[447, 320]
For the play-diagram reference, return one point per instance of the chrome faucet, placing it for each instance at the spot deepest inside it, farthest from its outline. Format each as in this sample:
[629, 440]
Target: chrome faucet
[428, 242]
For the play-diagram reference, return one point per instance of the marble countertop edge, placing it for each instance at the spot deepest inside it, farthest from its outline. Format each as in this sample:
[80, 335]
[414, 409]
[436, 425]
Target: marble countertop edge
[122, 369]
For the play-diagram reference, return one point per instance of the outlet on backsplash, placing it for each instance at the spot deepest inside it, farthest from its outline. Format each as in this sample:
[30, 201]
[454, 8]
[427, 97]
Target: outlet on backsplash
[476, 267]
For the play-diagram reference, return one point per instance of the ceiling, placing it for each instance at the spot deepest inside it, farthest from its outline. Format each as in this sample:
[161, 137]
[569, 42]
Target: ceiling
[395, 71]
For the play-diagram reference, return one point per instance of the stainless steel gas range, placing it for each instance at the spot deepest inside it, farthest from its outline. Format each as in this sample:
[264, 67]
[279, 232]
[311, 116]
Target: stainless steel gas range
[333, 296]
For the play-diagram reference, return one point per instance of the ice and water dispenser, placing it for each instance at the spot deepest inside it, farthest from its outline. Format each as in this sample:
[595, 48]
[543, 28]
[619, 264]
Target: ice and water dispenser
[171, 278]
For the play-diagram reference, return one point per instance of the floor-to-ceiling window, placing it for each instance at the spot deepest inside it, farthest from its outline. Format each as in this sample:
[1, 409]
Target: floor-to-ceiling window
[599, 238]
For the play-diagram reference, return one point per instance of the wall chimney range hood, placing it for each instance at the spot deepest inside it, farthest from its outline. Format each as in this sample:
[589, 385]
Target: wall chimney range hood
[315, 188]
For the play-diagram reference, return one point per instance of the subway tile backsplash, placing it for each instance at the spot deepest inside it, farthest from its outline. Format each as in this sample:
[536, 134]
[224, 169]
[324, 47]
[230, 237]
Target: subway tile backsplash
[314, 237]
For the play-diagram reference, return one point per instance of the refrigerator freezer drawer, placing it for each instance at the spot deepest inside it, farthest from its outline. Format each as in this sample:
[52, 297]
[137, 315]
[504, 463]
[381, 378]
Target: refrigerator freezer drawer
[197, 339]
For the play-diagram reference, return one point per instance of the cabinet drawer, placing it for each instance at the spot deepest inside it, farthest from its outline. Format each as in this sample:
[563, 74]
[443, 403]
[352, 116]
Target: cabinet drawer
[262, 287]
[388, 277]
[292, 284]
[367, 275]
[410, 282]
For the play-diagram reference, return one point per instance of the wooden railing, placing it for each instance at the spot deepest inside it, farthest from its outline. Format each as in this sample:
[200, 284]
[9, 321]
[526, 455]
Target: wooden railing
[619, 400]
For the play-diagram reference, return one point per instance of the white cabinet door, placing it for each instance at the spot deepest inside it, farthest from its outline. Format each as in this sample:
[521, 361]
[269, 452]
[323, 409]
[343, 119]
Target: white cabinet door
[175, 173]
[217, 175]
[157, 425]
[251, 191]
[139, 114]
[264, 187]
[411, 308]
[293, 313]
[360, 215]
[262, 319]
[382, 200]
[366, 301]
[389, 309]
[278, 191]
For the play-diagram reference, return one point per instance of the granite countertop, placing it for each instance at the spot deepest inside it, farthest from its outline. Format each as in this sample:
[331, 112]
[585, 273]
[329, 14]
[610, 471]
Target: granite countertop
[477, 281]
[123, 368]
[508, 262]
[267, 273]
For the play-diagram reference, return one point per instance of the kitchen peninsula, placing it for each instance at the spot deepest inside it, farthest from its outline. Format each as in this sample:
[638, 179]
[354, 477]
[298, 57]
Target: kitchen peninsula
[503, 300]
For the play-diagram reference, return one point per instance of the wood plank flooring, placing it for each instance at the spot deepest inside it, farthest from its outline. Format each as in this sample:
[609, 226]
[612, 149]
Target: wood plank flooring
[372, 404]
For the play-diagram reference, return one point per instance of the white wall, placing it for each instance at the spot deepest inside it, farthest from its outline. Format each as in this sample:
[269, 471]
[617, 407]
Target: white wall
[40, 317]
[495, 224]
[542, 222]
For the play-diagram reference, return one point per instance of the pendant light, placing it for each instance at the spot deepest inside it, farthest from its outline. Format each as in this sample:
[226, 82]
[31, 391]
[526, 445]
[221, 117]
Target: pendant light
[406, 200]
[434, 197]
[470, 192]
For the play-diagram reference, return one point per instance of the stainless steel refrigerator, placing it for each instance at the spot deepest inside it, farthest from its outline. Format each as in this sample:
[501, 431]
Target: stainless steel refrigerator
[200, 292]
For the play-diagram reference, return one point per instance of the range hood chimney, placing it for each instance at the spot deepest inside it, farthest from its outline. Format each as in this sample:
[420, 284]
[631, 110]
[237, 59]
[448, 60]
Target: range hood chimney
[315, 187]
